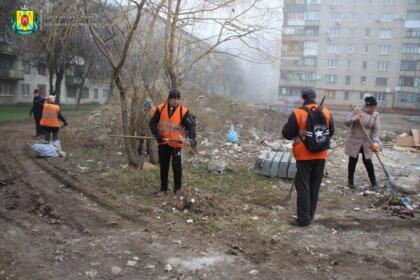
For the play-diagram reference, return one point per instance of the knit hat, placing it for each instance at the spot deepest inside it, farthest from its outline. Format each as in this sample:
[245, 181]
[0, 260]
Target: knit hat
[175, 94]
[370, 101]
[308, 93]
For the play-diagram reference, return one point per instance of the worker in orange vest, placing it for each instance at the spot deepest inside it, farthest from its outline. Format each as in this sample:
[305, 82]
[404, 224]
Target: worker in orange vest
[169, 125]
[311, 127]
[50, 120]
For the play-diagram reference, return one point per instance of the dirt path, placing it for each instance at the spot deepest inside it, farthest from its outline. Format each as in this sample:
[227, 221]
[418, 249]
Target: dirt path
[52, 227]
[55, 225]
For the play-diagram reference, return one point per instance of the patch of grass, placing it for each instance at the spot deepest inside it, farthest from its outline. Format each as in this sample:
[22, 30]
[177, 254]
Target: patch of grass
[11, 113]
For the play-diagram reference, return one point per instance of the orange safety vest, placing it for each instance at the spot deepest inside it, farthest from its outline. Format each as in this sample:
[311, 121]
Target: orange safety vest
[50, 115]
[300, 152]
[171, 127]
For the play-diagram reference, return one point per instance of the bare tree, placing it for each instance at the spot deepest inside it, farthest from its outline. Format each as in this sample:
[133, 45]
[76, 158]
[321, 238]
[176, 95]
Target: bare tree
[116, 54]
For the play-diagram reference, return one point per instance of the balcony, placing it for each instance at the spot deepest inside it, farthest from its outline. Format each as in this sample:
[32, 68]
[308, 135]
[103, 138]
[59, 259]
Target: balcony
[10, 74]
[73, 81]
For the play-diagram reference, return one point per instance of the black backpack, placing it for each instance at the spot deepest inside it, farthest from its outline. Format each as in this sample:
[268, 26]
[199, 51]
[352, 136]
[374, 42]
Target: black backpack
[317, 136]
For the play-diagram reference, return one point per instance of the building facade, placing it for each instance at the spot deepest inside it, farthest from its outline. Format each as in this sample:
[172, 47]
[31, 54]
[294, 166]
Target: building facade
[19, 77]
[347, 48]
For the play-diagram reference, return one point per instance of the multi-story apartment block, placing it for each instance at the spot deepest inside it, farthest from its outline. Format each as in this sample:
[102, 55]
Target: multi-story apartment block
[20, 75]
[347, 48]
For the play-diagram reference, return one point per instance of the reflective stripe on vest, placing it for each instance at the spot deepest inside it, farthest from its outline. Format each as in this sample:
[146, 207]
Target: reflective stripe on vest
[171, 127]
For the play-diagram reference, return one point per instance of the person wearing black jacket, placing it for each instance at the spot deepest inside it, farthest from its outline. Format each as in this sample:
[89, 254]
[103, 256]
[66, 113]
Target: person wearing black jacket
[310, 165]
[36, 109]
[168, 126]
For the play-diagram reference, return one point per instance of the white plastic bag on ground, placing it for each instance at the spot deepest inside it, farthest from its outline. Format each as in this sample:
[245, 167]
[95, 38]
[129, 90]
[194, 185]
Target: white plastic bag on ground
[46, 149]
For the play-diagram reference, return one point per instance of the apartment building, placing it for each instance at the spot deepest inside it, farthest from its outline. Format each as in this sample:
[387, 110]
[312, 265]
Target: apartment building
[347, 48]
[20, 75]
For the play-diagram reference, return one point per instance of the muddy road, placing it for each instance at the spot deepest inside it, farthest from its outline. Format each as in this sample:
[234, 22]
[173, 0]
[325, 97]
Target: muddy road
[52, 227]
[56, 224]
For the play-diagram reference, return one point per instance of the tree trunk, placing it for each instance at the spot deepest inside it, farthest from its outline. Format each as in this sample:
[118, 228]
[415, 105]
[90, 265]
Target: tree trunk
[58, 80]
[133, 161]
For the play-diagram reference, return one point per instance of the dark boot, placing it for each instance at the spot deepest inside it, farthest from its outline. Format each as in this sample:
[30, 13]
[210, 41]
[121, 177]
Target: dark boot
[350, 184]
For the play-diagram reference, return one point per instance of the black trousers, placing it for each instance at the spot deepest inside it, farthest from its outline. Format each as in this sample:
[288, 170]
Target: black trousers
[308, 182]
[368, 164]
[38, 127]
[48, 131]
[166, 153]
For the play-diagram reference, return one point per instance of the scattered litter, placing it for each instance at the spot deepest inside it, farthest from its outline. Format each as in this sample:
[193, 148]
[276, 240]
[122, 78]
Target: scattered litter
[168, 267]
[406, 201]
[131, 263]
[253, 272]
[232, 136]
[190, 221]
[116, 270]
[356, 209]
[91, 273]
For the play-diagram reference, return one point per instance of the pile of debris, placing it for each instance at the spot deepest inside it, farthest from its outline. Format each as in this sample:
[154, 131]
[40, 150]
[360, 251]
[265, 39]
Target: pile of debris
[398, 206]
[408, 142]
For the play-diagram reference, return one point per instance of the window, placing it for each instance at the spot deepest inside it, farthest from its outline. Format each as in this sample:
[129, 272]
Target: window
[413, 15]
[367, 32]
[25, 90]
[314, 2]
[310, 48]
[387, 17]
[346, 95]
[6, 89]
[95, 93]
[105, 93]
[363, 80]
[351, 32]
[417, 82]
[370, 2]
[381, 82]
[388, 2]
[311, 16]
[384, 49]
[42, 89]
[353, 17]
[365, 65]
[309, 76]
[368, 17]
[42, 69]
[349, 63]
[335, 17]
[362, 95]
[385, 34]
[337, 2]
[406, 81]
[408, 65]
[348, 80]
[85, 93]
[26, 67]
[380, 96]
[330, 94]
[365, 49]
[332, 48]
[309, 61]
[350, 49]
[332, 63]
[333, 32]
[331, 79]
[382, 66]
[411, 48]
[412, 33]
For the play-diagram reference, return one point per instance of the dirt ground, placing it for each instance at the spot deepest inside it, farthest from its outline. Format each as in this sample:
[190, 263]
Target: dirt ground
[88, 216]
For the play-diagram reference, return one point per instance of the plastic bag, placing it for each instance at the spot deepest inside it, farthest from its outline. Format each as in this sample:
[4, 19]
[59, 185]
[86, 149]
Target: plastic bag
[45, 149]
[233, 135]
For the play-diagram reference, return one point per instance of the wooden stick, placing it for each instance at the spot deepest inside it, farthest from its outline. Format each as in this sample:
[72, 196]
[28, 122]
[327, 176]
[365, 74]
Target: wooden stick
[131, 136]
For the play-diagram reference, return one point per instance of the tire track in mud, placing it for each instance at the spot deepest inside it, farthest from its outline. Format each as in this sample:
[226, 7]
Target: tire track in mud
[77, 208]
